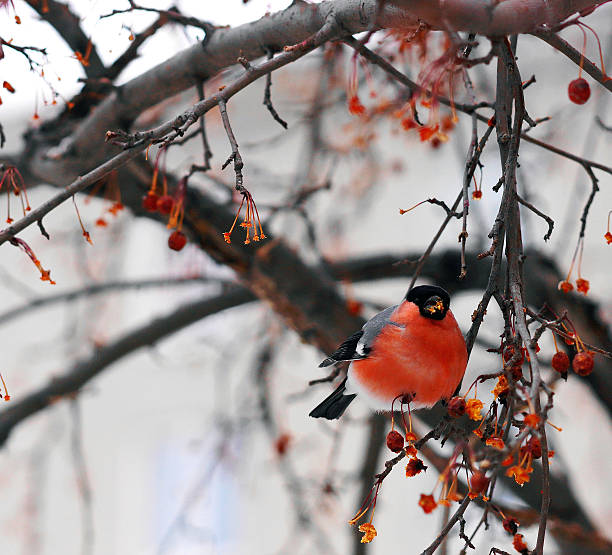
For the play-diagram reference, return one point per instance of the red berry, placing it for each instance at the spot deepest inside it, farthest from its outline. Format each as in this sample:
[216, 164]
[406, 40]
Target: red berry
[456, 407]
[149, 202]
[165, 204]
[560, 362]
[579, 91]
[395, 441]
[479, 483]
[177, 240]
[533, 447]
[583, 363]
[282, 444]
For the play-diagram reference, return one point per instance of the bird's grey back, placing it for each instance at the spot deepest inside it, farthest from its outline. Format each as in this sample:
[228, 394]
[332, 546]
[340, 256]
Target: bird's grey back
[372, 327]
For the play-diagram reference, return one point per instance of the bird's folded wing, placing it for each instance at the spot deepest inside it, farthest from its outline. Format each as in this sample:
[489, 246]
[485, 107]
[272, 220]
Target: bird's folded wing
[346, 351]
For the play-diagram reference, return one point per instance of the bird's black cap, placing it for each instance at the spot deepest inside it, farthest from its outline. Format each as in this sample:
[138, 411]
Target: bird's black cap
[433, 301]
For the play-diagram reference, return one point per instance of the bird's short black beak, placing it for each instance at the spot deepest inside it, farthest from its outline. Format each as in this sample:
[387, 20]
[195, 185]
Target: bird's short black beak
[434, 305]
[434, 308]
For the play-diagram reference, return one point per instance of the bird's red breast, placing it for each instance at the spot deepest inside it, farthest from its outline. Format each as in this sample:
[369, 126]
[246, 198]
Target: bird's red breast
[424, 357]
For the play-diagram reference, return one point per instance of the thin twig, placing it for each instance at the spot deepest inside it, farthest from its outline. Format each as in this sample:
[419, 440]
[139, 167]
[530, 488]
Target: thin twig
[267, 100]
[547, 219]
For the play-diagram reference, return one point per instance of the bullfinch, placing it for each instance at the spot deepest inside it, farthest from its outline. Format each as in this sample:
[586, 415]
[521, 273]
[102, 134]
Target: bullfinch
[413, 349]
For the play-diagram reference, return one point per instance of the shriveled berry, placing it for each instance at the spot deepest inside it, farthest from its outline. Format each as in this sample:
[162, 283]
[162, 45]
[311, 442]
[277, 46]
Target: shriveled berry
[395, 441]
[477, 194]
[579, 91]
[165, 204]
[509, 353]
[533, 447]
[456, 407]
[177, 240]
[583, 363]
[519, 544]
[478, 483]
[415, 466]
[510, 525]
[149, 202]
[560, 362]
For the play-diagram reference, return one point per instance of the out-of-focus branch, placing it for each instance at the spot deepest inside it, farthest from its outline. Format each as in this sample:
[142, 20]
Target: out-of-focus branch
[87, 368]
[97, 289]
[131, 53]
[68, 27]
[370, 465]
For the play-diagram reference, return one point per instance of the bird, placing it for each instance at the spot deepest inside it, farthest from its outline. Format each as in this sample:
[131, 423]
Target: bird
[414, 351]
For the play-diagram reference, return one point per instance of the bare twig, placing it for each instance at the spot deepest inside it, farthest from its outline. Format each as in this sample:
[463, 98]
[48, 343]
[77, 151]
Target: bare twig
[547, 219]
[267, 100]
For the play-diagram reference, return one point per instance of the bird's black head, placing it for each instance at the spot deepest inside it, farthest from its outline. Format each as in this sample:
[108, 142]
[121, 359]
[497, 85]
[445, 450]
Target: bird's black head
[433, 301]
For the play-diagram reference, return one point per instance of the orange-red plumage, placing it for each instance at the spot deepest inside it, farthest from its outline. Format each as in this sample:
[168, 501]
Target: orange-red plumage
[424, 357]
[414, 349]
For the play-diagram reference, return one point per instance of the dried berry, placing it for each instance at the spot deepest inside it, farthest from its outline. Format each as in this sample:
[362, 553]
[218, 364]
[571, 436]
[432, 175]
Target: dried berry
[415, 466]
[177, 240]
[509, 353]
[519, 544]
[560, 362]
[579, 91]
[395, 441]
[583, 363]
[427, 503]
[510, 525]
[582, 285]
[149, 202]
[532, 447]
[456, 407]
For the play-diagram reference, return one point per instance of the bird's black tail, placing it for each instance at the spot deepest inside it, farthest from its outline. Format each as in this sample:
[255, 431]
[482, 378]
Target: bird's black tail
[334, 406]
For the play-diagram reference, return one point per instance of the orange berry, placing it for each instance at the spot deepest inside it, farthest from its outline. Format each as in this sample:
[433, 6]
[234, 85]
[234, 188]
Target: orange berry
[582, 285]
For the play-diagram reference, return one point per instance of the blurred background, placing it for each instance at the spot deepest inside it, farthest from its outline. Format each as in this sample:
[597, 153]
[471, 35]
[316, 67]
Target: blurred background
[201, 442]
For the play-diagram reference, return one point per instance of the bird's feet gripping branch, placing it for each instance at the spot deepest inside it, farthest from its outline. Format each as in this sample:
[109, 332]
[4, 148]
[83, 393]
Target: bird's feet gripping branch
[413, 349]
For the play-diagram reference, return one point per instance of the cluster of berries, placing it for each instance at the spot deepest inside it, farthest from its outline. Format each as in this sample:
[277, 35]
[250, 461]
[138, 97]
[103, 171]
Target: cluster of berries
[164, 204]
